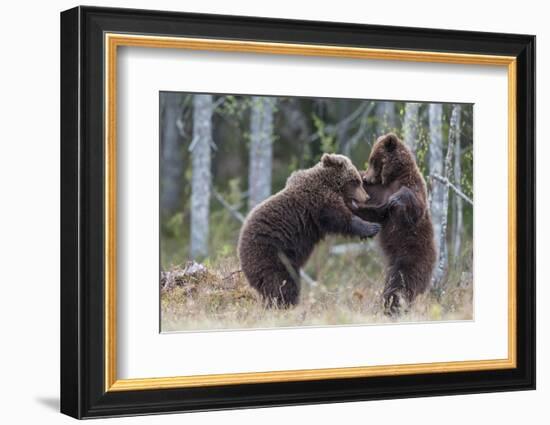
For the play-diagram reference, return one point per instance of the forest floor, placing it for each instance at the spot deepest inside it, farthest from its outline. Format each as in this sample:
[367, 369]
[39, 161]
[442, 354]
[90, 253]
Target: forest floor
[215, 296]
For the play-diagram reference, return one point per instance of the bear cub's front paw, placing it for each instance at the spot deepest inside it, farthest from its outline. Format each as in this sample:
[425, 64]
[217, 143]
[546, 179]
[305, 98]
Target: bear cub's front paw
[364, 229]
[395, 201]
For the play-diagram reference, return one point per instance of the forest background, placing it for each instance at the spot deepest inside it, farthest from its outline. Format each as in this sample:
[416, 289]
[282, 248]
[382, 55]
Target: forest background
[223, 154]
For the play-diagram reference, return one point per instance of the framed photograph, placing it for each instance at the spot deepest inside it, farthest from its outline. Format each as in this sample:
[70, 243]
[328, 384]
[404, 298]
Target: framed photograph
[261, 212]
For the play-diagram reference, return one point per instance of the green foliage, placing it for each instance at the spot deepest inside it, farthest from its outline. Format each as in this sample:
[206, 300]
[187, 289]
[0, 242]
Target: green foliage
[235, 193]
[422, 149]
[293, 165]
[224, 229]
[234, 106]
[467, 164]
[328, 141]
[174, 225]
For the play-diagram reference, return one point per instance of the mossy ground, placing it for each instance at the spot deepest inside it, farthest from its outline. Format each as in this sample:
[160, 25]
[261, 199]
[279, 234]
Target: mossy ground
[348, 292]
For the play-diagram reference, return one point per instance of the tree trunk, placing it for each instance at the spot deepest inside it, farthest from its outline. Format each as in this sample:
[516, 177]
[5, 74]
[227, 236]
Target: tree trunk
[443, 259]
[458, 222]
[385, 117]
[201, 178]
[261, 149]
[435, 163]
[295, 113]
[342, 134]
[410, 126]
[171, 154]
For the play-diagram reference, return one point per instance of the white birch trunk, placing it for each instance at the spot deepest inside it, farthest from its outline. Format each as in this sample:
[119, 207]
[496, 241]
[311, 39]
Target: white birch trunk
[410, 126]
[443, 259]
[385, 114]
[457, 238]
[343, 130]
[171, 160]
[261, 149]
[201, 178]
[435, 163]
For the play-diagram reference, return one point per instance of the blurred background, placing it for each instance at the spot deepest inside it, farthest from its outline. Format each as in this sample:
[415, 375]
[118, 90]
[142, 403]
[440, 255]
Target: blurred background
[243, 148]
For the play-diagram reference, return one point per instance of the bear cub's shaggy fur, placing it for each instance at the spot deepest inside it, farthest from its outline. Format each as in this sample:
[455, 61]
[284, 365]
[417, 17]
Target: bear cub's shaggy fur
[399, 201]
[279, 234]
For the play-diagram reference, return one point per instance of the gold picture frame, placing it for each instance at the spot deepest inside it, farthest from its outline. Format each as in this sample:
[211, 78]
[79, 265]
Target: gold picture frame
[114, 41]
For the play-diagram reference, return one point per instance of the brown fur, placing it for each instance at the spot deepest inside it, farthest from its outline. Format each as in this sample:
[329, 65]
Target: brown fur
[399, 201]
[279, 234]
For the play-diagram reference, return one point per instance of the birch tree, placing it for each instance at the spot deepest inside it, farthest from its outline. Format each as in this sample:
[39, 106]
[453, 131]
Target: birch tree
[200, 149]
[443, 259]
[385, 117]
[261, 149]
[410, 126]
[458, 219]
[342, 133]
[171, 155]
[297, 126]
[435, 163]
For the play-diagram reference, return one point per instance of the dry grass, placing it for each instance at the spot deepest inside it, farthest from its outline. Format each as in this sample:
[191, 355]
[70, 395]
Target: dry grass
[348, 292]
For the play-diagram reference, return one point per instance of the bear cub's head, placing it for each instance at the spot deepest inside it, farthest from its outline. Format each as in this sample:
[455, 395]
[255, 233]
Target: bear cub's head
[389, 158]
[343, 178]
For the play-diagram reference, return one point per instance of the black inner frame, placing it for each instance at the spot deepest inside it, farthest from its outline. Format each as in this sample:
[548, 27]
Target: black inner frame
[82, 212]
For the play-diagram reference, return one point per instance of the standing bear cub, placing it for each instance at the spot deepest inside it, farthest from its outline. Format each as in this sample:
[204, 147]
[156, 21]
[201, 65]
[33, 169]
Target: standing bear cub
[399, 201]
[279, 234]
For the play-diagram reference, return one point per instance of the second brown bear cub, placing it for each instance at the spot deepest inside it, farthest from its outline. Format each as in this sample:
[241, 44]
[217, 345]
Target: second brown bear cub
[279, 234]
[399, 201]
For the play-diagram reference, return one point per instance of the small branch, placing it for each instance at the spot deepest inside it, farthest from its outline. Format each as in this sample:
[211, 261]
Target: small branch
[197, 139]
[192, 144]
[446, 181]
[181, 127]
[355, 248]
[362, 127]
[333, 129]
[309, 280]
[218, 103]
[348, 248]
[350, 117]
[230, 275]
[232, 210]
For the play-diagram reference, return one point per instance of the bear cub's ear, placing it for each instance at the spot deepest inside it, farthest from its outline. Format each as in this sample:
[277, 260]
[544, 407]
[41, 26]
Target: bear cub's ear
[332, 160]
[390, 142]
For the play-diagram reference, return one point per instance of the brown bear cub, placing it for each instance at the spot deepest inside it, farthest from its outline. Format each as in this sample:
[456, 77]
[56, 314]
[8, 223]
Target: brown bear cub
[399, 201]
[279, 234]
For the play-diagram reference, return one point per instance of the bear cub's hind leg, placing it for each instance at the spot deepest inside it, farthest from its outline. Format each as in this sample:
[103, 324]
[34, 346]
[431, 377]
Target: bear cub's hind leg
[280, 290]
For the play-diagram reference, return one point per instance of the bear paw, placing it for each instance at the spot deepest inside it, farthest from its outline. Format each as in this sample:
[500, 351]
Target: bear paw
[364, 229]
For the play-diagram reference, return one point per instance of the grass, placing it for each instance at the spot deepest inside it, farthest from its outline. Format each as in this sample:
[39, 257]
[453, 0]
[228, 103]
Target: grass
[348, 292]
